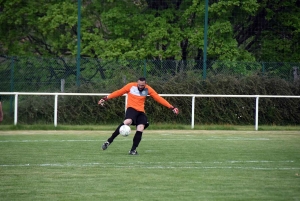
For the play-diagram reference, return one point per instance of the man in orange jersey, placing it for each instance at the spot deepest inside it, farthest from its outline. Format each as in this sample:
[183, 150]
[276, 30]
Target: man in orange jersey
[135, 112]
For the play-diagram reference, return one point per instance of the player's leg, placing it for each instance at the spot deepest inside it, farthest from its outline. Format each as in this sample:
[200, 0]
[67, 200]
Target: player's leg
[142, 123]
[115, 134]
[129, 116]
[137, 139]
[117, 131]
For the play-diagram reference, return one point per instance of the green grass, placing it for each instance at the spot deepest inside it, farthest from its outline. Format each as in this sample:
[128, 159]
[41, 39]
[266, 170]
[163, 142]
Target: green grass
[171, 165]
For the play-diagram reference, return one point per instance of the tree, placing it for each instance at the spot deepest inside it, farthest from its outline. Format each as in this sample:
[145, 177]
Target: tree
[271, 31]
[239, 30]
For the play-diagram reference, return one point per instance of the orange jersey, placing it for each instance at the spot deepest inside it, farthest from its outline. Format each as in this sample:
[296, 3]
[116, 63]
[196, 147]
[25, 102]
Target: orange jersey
[136, 99]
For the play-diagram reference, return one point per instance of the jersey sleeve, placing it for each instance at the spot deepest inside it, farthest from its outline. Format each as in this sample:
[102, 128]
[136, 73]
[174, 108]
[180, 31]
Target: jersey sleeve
[158, 98]
[120, 92]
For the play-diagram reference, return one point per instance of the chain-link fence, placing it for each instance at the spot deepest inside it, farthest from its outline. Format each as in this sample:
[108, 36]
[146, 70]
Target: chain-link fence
[39, 74]
[53, 74]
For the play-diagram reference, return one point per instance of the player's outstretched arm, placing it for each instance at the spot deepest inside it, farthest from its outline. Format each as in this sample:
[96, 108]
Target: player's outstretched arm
[162, 101]
[115, 94]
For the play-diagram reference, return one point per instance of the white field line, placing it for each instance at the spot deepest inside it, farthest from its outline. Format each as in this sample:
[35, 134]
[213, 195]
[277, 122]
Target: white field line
[17, 141]
[157, 165]
[174, 163]
[145, 139]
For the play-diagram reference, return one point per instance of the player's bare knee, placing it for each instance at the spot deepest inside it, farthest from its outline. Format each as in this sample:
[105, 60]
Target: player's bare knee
[140, 127]
[127, 121]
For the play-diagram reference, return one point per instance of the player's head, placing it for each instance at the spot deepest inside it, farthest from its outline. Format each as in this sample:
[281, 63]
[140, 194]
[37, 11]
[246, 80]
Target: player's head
[141, 83]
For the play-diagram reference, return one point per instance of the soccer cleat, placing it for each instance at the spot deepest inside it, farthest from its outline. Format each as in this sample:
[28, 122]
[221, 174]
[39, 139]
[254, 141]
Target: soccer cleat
[105, 145]
[134, 152]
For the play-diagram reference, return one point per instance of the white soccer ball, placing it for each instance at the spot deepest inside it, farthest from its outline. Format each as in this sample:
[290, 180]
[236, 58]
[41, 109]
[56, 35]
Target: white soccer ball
[125, 130]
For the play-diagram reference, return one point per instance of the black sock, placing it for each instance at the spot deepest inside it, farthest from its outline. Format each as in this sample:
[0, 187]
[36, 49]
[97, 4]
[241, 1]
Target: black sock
[136, 140]
[115, 134]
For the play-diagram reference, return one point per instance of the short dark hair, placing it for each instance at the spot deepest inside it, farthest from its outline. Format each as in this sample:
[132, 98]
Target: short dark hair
[142, 79]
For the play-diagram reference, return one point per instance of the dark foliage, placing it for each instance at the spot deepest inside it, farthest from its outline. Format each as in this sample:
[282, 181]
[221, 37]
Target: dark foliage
[208, 110]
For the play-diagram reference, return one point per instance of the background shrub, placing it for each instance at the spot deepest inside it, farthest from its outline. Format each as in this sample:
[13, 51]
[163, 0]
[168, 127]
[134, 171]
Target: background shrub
[239, 111]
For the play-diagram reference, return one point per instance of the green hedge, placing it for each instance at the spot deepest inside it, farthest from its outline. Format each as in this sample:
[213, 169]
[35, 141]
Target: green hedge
[238, 111]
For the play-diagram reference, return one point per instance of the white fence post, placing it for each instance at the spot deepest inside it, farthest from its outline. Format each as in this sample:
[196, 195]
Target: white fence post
[16, 110]
[126, 99]
[193, 112]
[256, 113]
[55, 109]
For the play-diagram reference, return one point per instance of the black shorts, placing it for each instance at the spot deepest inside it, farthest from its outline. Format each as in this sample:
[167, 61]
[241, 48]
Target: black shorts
[137, 117]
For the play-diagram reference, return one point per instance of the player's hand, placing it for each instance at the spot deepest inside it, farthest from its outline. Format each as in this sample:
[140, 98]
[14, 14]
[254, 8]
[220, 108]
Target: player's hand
[102, 100]
[175, 110]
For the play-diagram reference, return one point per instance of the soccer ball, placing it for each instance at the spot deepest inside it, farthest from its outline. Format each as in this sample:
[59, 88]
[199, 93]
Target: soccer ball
[125, 130]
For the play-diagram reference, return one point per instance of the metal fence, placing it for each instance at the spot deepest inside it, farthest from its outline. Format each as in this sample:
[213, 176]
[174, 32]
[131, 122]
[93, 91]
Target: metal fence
[40, 74]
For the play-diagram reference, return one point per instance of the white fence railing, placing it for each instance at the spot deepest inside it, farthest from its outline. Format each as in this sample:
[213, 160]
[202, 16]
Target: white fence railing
[193, 96]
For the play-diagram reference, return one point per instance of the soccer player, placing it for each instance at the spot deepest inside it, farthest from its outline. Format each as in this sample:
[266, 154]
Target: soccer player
[135, 112]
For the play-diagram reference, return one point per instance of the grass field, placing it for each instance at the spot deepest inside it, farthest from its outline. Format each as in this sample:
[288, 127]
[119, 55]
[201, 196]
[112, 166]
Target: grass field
[171, 165]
